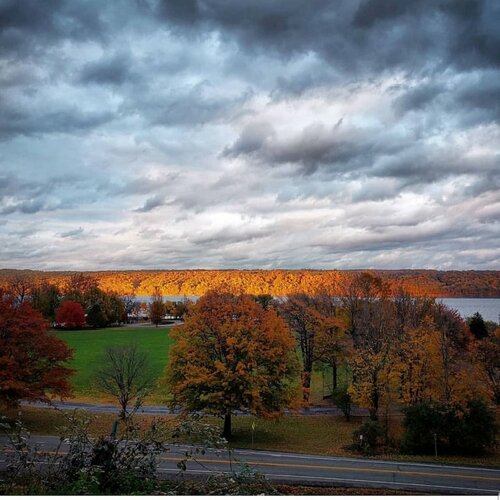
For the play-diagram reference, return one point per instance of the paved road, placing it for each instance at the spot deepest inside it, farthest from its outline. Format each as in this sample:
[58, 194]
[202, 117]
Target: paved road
[321, 470]
[162, 410]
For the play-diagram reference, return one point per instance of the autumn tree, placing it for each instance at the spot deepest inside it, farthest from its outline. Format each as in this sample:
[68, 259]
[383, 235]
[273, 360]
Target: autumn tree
[488, 355]
[156, 307]
[420, 364]
[46, 298]
[454, 340]
[32, 361]
[231, 354]
[96, 315]
[125, 374]
[70, 314]
[299, 313]
[81, 288]
[332, 344]
[373, 328]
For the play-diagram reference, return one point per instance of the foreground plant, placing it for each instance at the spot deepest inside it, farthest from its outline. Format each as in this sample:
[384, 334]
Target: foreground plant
[124, 464]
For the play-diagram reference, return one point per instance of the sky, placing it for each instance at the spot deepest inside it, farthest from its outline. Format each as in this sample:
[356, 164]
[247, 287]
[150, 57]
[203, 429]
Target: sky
[217, 134]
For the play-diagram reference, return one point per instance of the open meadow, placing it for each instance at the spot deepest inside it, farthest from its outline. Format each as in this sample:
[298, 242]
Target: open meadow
[90, 346]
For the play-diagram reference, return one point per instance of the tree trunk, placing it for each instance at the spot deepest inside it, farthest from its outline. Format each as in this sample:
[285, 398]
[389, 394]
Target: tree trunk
[334, 375]
[227, 426]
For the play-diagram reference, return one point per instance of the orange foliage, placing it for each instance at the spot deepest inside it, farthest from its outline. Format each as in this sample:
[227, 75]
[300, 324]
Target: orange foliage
[276, 282]
[231, 354]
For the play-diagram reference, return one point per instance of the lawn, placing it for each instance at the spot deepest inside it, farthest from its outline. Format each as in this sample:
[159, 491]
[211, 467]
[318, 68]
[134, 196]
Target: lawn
[90, 346]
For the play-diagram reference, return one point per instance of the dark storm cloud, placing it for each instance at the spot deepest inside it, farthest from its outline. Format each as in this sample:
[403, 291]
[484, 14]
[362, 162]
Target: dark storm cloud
[114, 70]
[30, 25]
[18, 195]
[419, 97]
[20, 119]
[315, 147]
[353, 35]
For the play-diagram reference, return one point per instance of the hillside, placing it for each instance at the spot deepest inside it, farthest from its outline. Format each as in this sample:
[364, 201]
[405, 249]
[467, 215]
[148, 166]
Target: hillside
[277, 282]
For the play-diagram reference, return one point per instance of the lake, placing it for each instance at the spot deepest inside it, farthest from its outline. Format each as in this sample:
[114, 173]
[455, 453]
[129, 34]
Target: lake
[488, 308]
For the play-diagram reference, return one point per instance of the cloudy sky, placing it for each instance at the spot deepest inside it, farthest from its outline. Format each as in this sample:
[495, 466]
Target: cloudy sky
[252, 134]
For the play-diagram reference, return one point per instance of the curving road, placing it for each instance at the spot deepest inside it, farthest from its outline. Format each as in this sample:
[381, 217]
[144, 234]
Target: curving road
[320, 470]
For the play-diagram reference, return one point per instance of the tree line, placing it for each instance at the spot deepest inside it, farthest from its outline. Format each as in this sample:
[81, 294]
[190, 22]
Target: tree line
[238, 352]
[81, 301]
[419, 283]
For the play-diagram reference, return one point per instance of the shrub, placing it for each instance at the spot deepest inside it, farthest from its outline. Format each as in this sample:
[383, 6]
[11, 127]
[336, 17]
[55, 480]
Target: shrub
[479, 427]
[125, 465]
[342, 399]
[368, 438]
[452, 428]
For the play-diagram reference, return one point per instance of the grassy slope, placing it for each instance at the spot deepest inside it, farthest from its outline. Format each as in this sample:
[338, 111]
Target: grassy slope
[90, 345]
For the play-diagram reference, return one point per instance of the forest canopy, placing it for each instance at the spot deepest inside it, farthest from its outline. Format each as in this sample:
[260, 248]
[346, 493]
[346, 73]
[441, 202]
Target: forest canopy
[419, 283]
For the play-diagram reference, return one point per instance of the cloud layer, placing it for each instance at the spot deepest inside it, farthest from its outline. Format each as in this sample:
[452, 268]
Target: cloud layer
[214, 134]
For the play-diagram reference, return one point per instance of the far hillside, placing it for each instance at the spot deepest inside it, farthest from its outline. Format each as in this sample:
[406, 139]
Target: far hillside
[428, 283]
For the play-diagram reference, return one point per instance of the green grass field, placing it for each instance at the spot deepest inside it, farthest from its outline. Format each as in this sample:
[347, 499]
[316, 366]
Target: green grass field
[90, 345]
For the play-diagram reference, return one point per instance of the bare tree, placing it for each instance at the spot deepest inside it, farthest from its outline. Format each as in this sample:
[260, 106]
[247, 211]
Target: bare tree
[20, 286]
[126, 375]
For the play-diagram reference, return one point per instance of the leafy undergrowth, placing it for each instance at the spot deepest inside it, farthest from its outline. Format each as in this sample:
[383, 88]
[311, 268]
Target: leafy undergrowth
[322, 435]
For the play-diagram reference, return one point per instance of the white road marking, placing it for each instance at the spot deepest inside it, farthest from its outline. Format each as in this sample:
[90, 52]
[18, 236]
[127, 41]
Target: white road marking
[334, 479]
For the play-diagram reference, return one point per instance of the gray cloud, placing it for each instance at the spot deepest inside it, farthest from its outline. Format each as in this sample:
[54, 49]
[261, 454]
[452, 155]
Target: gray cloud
[152, 203]
[23, 120]
[114, 70]
[74, 233]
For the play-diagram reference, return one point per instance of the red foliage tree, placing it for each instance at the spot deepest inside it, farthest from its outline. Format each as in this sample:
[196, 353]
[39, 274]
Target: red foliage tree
[32, 361]
[70, 314]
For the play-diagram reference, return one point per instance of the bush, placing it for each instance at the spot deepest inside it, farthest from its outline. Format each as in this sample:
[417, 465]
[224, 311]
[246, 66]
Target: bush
[478, 426]
[424, 420]
[368, 438]
[342, 399]
[453, 428]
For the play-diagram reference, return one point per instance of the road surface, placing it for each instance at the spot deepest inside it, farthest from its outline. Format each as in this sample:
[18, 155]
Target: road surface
[163, 410]
[320, 470]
